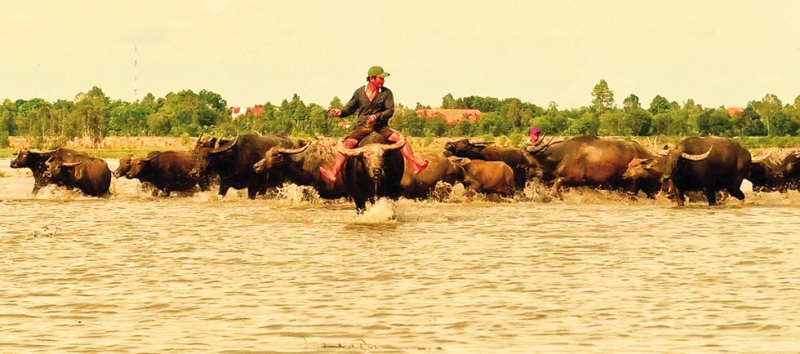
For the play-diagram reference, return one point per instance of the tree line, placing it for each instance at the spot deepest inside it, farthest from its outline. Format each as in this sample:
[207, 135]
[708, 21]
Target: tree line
[186, 113]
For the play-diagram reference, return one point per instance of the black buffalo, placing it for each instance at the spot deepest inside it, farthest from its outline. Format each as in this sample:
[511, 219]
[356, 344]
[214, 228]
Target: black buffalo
[770, 173]
[708, 164]
[791, 167]
[301, 166]
[90, 175]
[168, 171]
[37, 162]
[513, 157]
[233, 163]
[588, 161]
[374, 169]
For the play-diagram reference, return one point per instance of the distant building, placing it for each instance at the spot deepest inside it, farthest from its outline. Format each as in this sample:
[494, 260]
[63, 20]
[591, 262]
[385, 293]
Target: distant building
[734, 111]
[238, 111]
[450, 115]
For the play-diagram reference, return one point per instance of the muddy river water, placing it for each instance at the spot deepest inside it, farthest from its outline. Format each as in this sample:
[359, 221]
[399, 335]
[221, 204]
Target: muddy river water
[592, 272]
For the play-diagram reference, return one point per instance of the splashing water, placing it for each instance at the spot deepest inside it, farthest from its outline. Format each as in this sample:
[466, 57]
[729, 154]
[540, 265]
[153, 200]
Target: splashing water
[382, 211]
[294, 194]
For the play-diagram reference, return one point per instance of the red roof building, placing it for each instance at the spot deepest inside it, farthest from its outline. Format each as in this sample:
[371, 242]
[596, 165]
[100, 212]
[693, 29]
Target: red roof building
[450, 115]
[734, 111]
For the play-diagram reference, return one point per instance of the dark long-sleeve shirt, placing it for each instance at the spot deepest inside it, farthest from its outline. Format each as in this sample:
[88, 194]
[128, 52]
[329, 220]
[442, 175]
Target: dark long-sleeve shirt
[382, 106]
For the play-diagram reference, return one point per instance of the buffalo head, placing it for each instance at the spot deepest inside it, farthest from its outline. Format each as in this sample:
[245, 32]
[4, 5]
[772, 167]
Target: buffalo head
[790, 166]
[208, 157]
[276, 157]
[124, 166]
[464, 148]
[676, 160]
[57, 171]
[28, 158]
[373, 155]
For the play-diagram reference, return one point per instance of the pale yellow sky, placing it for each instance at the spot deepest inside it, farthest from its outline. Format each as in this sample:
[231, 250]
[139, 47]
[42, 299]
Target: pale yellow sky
[250, 52]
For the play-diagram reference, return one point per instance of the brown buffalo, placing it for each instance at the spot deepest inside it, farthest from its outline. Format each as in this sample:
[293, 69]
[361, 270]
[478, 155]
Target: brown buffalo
[37, 162]
[125, 164]
[708, 164]
[233, 163]
[513, 157]
[301, 166]
[488, 177]
[168, 171]
[770, 173]
[89, 175]
[440, 169]
[588, 161]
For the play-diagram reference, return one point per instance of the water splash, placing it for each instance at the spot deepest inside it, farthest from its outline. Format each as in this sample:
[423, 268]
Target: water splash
[294, 194]
[383, 211]
[54, 192]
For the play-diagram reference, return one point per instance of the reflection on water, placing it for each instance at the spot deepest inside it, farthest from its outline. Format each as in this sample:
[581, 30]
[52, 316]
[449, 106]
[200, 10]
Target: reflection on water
[592, 272]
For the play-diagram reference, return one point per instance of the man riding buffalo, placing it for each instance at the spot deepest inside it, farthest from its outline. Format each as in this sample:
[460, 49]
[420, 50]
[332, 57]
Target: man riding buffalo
[374, 105]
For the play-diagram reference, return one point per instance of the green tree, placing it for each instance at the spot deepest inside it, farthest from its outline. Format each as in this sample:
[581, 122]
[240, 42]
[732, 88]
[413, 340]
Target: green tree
[603, 98]
[610, 123]
[586, 124]
[631, 103]
[336, 103]
[636, 122]
[448, 101]
[462, 128]
[436, 126]
[719, 122]
[781, 124]
[659, 105]
[766, 107]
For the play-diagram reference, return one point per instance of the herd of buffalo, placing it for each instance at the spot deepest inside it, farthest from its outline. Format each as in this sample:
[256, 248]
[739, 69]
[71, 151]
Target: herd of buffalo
[376, 168]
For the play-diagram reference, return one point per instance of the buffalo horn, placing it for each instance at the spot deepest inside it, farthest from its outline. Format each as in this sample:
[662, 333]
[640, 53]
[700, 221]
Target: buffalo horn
[348, 152]
[150, 158]
[44, 152]
[294, 151]
[226, 148]
[761, 158]
[71, 164]
[696, 157]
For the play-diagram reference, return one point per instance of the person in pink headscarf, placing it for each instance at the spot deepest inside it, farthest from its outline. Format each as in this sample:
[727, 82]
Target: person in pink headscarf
[534, 138]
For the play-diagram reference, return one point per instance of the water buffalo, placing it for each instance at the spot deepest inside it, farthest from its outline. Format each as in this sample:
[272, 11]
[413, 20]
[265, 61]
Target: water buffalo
[490, 177]
[374, 169]
[644, 175]
[791, 167]
[513, 157]
[89, 175]
[588, 161]
[708, 164]
[770, 173]
[233, 163]
[125, 164]
[37, 162]
[440, 169]
[301, 166]
[168, 171]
